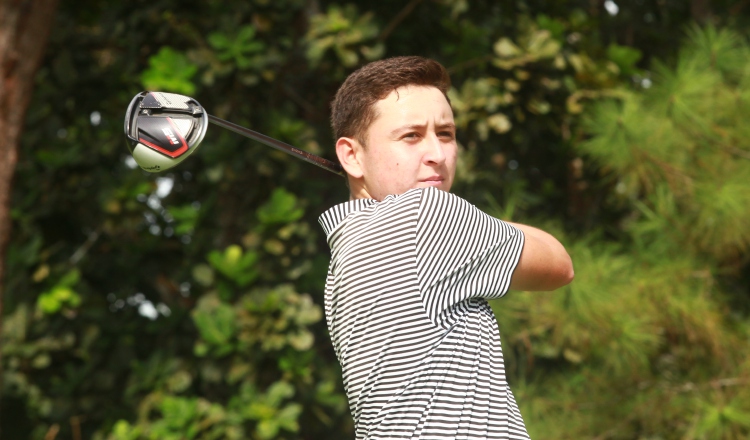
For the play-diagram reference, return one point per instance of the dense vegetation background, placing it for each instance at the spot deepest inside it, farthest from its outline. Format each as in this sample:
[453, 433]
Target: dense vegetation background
[189, 304]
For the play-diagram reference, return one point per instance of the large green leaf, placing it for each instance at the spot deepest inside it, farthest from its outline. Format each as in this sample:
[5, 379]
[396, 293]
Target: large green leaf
[169, 71]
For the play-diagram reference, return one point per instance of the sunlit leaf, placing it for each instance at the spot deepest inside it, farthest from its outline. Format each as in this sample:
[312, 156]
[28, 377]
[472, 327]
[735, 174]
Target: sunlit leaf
[169, 71]
[282, 207]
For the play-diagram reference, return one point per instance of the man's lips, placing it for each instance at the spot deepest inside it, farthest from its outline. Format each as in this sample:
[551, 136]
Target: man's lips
[432, 180]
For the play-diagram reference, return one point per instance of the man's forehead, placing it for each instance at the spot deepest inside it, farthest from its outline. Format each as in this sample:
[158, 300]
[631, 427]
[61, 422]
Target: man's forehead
[414, 102]
[403, 92]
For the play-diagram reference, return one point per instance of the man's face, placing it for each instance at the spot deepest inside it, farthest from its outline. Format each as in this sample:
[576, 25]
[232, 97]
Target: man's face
[411, 143]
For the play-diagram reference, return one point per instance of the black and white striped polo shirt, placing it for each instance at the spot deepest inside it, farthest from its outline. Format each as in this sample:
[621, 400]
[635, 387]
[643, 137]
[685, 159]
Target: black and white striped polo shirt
[405, 306]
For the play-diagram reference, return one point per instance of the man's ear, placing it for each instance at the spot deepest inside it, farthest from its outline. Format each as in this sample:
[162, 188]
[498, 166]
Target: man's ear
[348, 151]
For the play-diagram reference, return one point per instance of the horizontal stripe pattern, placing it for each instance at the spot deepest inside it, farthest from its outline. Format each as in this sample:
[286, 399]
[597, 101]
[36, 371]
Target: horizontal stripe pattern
[406, 310]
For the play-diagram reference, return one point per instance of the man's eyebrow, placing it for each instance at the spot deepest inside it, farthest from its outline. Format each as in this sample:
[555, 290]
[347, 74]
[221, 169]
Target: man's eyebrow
[408, 127]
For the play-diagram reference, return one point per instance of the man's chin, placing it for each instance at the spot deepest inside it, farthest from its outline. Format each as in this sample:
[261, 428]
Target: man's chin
[439, 184]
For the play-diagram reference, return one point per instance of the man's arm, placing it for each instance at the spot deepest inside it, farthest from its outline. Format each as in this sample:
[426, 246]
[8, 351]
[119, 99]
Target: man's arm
[544, 264]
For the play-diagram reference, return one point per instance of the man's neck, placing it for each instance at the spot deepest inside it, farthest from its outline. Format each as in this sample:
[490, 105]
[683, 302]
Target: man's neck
[358, 191]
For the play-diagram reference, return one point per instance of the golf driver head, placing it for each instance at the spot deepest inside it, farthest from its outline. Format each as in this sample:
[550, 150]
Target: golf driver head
[163, 129]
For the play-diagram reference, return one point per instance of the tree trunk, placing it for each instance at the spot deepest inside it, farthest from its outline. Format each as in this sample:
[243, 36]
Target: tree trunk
[24, 28]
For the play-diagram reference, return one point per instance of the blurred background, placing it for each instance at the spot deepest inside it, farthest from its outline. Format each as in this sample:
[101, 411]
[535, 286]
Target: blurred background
[188, 304]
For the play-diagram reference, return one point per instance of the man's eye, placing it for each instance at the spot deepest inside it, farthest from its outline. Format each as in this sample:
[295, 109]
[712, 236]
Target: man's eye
[446, 134]
[411, 136]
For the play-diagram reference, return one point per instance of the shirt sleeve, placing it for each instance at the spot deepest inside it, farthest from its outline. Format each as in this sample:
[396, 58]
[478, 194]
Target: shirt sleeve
[462, 252]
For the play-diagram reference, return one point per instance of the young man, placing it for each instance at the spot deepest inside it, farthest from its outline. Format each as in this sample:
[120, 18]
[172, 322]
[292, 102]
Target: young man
[412, 266]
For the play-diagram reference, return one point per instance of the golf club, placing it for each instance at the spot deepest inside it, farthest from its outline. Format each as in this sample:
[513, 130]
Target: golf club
[163, 129]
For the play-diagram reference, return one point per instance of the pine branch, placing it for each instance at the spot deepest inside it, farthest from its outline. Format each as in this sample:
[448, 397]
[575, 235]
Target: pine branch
[398, 19]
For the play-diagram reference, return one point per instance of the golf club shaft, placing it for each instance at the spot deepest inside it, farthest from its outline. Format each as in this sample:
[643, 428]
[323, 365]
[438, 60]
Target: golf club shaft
[286, 148]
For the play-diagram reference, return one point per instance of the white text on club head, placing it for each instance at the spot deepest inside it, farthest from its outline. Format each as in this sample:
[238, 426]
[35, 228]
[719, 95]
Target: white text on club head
[170, 136]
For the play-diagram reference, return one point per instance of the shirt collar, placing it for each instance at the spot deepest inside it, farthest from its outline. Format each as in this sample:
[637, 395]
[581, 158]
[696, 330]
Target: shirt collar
[333, 217]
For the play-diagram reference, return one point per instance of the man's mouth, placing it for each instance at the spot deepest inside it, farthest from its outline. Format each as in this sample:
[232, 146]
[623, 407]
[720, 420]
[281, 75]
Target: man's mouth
[433, 180]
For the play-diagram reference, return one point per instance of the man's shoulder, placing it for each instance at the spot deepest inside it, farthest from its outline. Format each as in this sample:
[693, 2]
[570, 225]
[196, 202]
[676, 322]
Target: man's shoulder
[436, 204]
[333, 217]
[421, 201]
[370, 211]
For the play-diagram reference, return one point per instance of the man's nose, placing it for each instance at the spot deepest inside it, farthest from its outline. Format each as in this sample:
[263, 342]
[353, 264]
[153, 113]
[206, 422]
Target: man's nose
[434, 153]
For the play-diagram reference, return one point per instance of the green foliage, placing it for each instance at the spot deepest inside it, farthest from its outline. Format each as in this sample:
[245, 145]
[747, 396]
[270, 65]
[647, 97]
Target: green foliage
[341, 29]
[186, 217]
[60, 295]
[624, 57]
[651, 312]
[678, 149]
[630, 336]
[238, 49]
[216, 325]
[235, 265]
[188, 304]
[234, 340]
[280, 208]
[267, 410]
[169, 71]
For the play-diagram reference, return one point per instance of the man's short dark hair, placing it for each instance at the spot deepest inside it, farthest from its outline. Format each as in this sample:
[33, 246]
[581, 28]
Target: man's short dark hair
[352, 110]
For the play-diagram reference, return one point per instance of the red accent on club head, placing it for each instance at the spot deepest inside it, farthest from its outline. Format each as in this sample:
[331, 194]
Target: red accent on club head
[173, 154]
